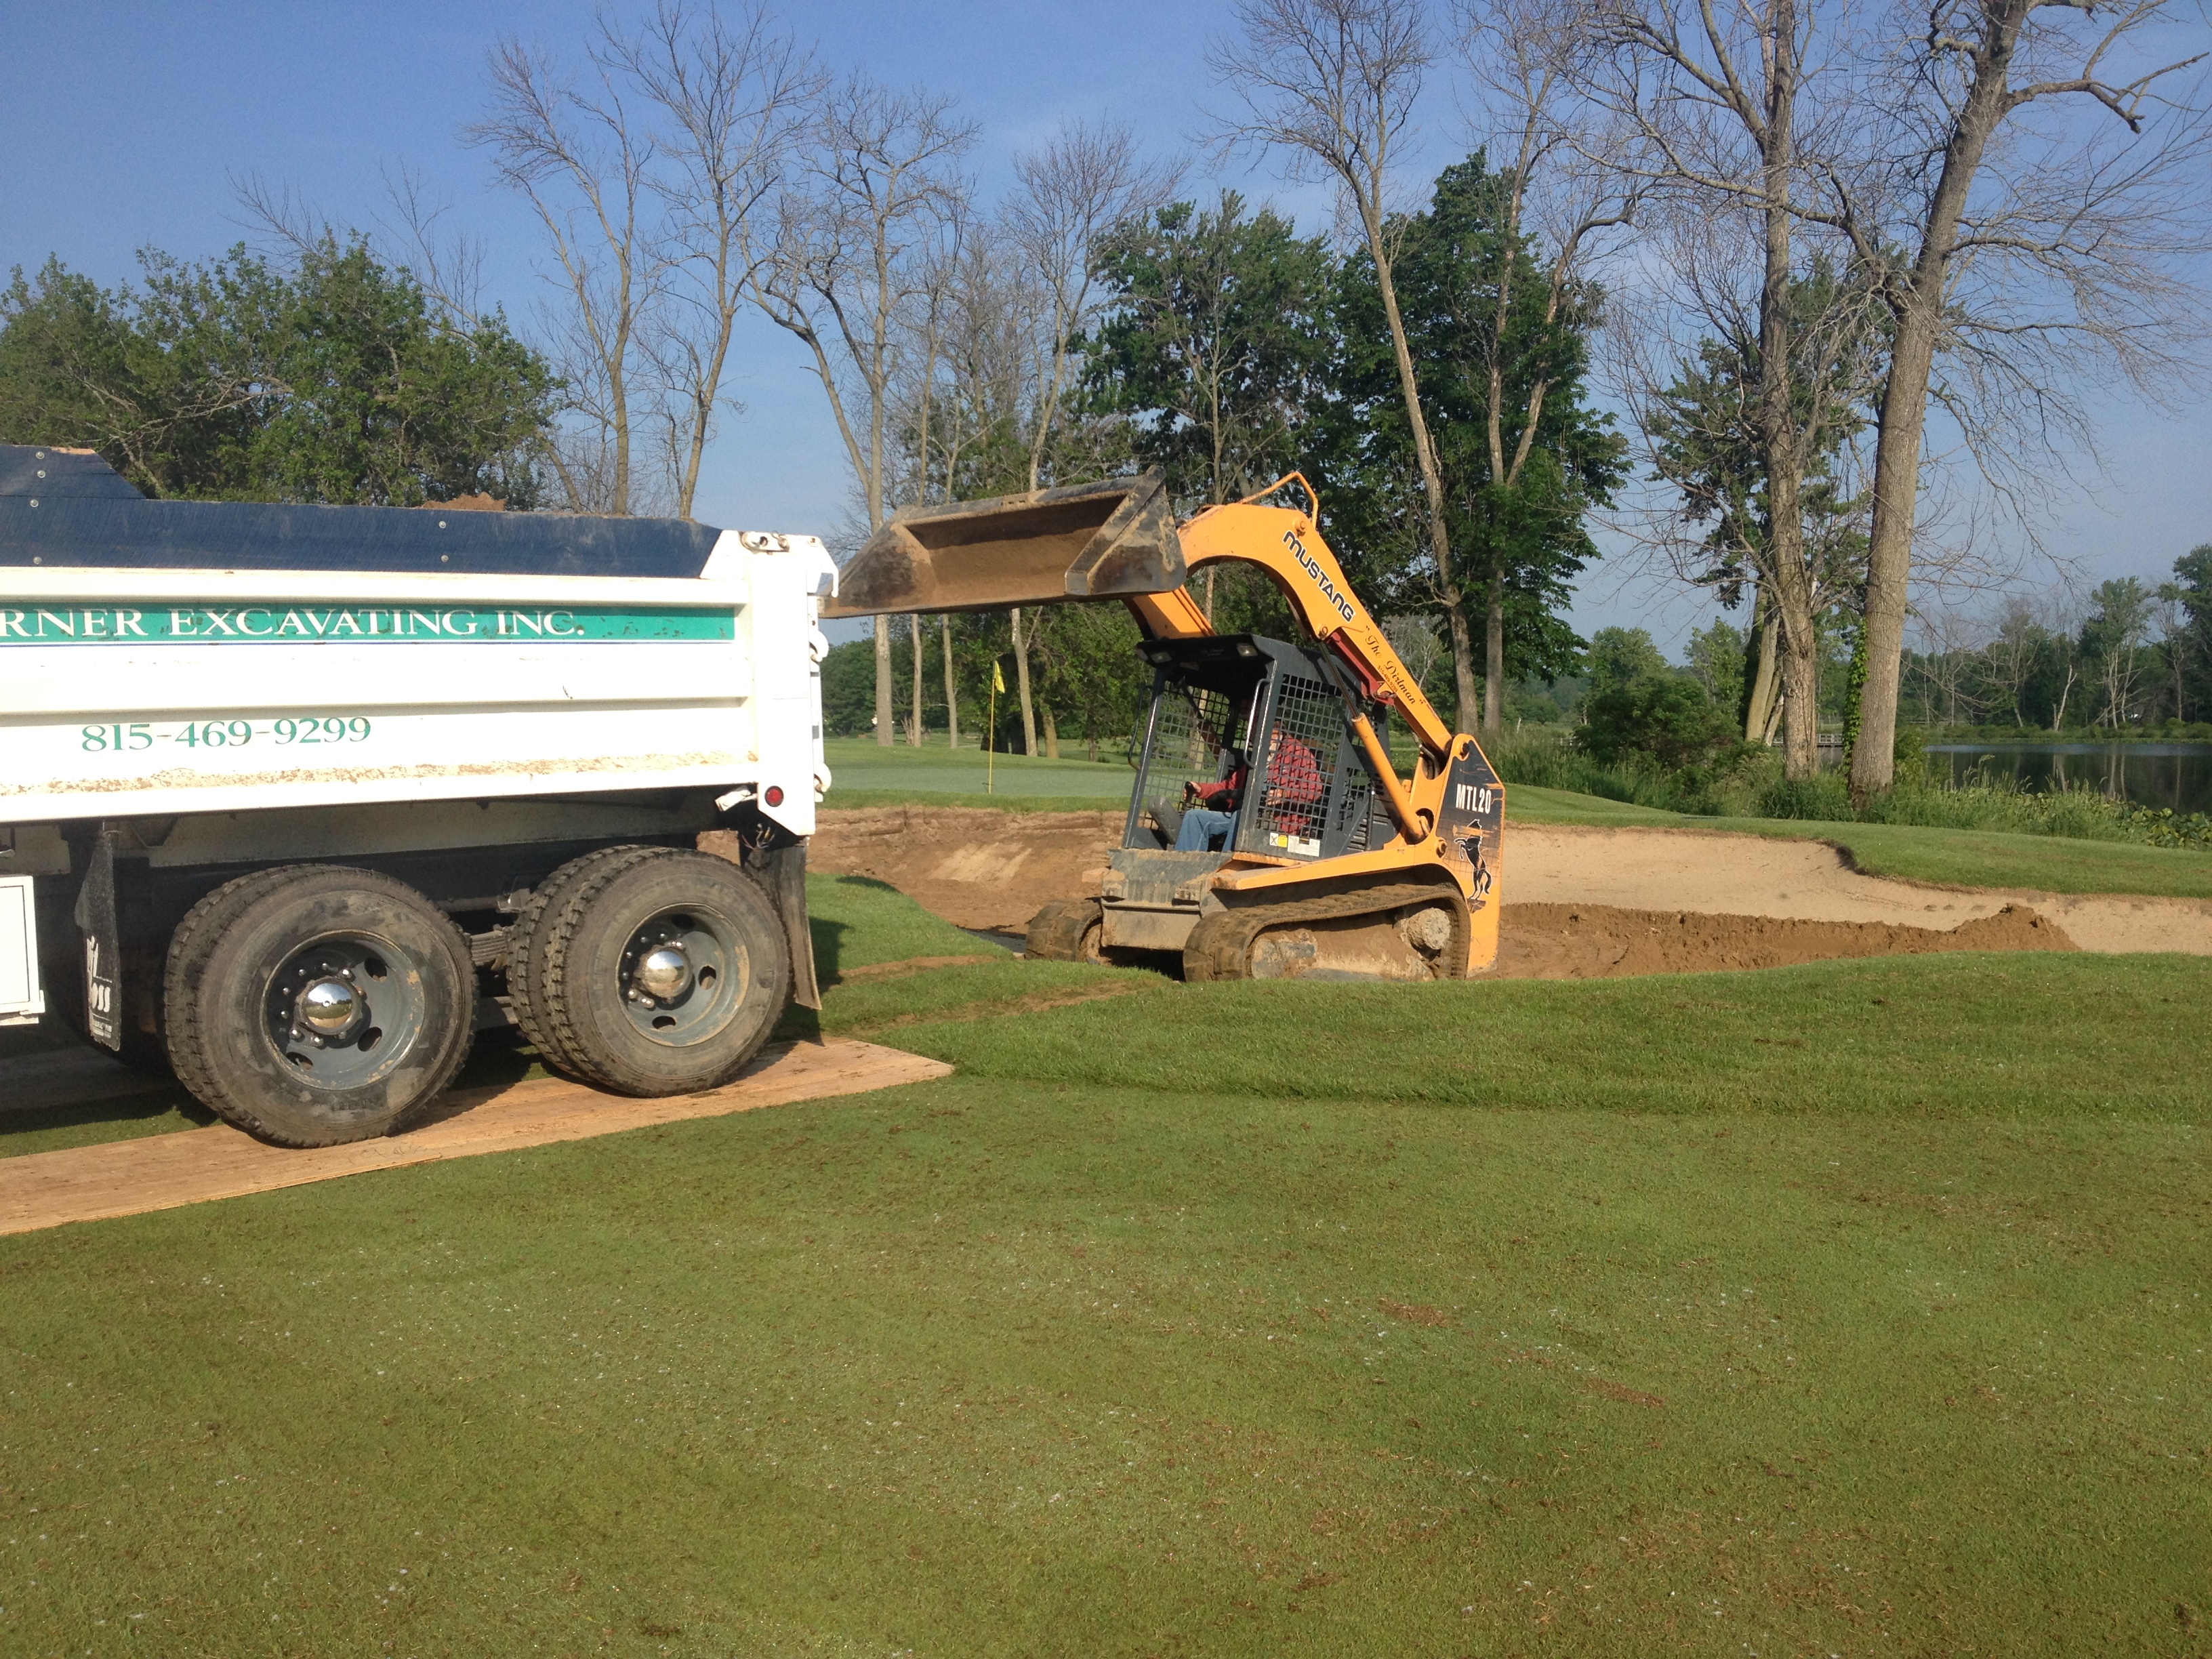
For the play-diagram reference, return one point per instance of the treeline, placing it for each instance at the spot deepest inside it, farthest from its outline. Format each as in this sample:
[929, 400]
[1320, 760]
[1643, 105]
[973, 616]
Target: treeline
[1792, 286]
[1803, 238]
[2138, 660]
[1226, 350]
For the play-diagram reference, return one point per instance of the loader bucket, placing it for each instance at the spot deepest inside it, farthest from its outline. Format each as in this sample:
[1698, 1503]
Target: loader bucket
[1095, 541]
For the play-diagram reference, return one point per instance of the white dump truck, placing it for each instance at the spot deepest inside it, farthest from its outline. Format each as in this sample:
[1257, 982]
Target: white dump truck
[294, 801]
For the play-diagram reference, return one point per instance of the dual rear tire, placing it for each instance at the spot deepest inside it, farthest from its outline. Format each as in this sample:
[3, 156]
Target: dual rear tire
[316, 1005]
[648, 971]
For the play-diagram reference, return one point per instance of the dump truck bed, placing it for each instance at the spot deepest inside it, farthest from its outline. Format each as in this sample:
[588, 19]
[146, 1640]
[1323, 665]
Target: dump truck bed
[161, 658]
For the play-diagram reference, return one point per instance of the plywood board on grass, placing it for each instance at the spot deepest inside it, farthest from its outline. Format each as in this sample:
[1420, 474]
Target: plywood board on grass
[161, 1172]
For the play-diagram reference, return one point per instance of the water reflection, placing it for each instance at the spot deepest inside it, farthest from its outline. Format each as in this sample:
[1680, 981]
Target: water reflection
[2175, 775]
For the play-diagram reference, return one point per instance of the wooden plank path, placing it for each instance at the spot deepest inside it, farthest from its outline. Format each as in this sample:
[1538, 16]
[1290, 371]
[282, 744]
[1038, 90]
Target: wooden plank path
[193, 1166]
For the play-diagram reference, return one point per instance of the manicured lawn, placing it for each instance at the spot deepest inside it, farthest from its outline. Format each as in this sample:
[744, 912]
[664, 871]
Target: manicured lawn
[1850, 1308]
[868, 776]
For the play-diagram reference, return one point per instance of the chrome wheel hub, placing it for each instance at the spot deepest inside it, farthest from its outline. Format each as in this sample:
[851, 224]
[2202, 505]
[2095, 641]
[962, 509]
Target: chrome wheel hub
[664, 973]
[345, 1010]
[682, 975]
[330, 1007]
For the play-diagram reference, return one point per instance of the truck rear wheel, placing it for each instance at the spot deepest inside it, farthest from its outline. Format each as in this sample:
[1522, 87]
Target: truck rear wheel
[651, 970]
[311, 1005]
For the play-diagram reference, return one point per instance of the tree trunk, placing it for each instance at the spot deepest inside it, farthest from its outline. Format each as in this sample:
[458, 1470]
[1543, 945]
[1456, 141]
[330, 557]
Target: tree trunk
[886, 719]
[1780, 437]
[914, 727]
[1051, 732]
[1918, 301]
[951, 691]
[1801, 686]
[1462, 650]
[1022, 685]
[1493, 656]
[1759, 708]
[1432, 477]
[1904, 422]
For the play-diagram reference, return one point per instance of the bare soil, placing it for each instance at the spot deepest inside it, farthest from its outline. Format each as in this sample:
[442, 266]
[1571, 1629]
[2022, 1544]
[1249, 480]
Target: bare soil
[1580, 902]
[1598, 941]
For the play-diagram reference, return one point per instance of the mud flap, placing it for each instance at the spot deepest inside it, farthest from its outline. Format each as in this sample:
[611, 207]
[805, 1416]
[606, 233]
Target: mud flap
[103, 947]
[783, 872]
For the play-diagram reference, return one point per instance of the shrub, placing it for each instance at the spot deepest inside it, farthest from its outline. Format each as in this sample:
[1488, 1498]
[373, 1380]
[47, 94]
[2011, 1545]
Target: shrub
[1668, 719]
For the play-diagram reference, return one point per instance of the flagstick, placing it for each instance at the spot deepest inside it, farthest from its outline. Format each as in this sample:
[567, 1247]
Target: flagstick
[990, 727]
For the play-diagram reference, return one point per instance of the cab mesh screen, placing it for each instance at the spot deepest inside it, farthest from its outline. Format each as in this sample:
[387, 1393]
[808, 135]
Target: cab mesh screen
[1191, 731]
[1299, 774]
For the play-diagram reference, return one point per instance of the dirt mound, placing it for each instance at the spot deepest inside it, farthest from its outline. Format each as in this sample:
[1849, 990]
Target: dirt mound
[1599, 941]
[1651, 901]
[974, 866]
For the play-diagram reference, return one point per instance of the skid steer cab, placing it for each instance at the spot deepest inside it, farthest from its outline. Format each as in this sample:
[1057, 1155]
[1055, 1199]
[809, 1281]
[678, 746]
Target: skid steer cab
[1269, 835]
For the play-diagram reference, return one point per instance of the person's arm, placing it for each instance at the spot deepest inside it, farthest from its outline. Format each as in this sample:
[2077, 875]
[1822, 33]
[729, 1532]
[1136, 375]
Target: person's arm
[1222, 797]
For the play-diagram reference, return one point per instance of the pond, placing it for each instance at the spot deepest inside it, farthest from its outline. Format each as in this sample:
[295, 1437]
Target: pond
[2175, 775]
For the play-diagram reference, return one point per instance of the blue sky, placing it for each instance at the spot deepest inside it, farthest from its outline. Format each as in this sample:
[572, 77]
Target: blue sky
[127, 124]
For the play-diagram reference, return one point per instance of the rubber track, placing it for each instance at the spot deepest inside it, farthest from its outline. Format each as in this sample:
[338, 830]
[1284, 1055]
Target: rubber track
[523, 965]
[190, 946]
[1060, 938]
[1220, 946]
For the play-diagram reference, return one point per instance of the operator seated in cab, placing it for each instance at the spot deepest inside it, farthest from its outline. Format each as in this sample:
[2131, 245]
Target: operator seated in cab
[1210, 809]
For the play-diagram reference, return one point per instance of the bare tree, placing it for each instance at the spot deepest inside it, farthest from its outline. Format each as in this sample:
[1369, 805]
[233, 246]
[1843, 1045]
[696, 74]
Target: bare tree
[728, 93]
[2014, 652]
[880, 171]
[1414, 639]
[1564, 189]
[2027, 264]
[1068, 195]
[1330, 85]
[577, 153]
[1717, 95]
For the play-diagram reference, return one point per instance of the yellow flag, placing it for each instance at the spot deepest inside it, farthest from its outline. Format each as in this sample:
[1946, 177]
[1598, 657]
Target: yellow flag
[998, 680]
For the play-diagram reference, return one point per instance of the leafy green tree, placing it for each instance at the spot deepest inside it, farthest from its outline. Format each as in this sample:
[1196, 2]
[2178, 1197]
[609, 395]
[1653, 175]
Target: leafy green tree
[1623, 656]
[1215, 346]
[2111, 646]
[333, 380]
[1706, 441]
[848, 689]
[2191, 643]
[1715, 657]
[1502, 337]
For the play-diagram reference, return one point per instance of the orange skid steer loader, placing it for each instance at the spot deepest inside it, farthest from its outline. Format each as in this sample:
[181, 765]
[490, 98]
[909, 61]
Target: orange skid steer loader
[1313, 859]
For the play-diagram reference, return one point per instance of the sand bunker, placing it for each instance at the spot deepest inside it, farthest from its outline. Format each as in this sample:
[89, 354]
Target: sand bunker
[1581, 903]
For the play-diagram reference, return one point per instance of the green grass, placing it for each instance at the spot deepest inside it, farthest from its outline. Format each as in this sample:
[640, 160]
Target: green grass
[1856, 1308]
[868, 776]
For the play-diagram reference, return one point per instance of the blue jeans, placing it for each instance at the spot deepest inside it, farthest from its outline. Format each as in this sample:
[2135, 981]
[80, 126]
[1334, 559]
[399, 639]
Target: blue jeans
[1204, 830]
